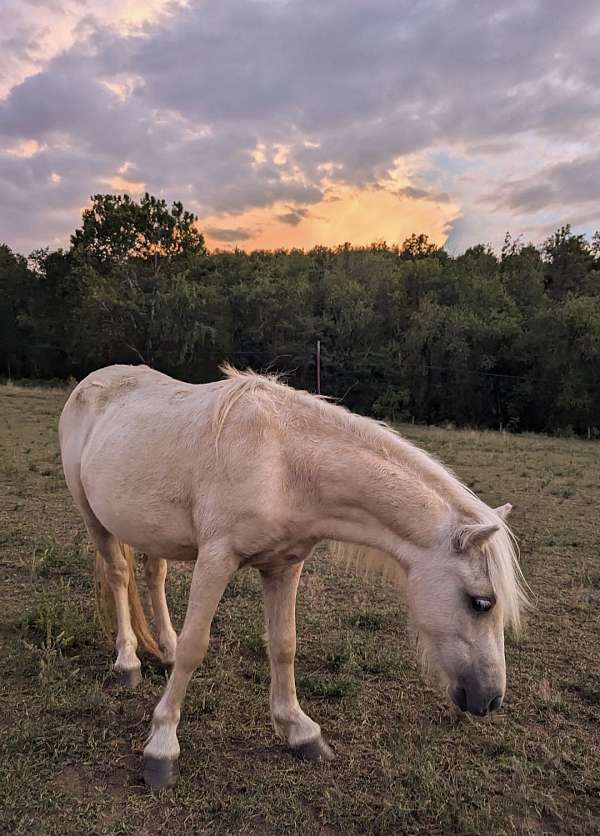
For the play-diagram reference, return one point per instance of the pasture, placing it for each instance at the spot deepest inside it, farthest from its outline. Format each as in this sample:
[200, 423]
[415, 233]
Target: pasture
[71, 741]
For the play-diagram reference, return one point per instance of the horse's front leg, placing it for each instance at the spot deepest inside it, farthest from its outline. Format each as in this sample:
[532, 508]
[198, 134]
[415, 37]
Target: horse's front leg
[155, 570]
[290, 722]
[212, 572]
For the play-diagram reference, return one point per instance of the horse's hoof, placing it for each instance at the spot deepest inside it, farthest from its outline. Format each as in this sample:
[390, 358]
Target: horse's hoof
[128, 678]
[314, 750]
[160, 772]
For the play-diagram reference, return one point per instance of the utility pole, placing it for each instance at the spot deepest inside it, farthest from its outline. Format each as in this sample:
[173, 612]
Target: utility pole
[318, 367]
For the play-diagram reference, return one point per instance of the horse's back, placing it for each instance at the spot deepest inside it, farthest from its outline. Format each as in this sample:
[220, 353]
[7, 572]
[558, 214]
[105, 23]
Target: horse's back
[104, 387]
[108, 391]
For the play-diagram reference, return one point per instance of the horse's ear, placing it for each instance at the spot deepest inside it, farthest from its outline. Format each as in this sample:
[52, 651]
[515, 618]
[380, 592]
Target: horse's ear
[468, 536]
[503, 511]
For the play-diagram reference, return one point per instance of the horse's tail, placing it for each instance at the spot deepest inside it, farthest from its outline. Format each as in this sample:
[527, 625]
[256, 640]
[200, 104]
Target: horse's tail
[105, 603]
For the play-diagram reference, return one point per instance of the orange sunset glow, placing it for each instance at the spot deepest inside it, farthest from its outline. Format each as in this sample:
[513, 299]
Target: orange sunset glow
[346, 213]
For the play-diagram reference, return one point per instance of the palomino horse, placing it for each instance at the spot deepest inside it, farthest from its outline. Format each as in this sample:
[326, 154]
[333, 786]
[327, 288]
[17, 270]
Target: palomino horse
[250, 472]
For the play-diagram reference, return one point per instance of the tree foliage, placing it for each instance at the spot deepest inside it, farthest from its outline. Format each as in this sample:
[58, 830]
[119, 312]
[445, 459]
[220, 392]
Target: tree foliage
[407, 332]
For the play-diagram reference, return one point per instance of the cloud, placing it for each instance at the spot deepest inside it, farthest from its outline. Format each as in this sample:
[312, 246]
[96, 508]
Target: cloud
[266, 107]
[34, 31]
[425, 194]
[228, 235]
[294, 216]
[573, 182]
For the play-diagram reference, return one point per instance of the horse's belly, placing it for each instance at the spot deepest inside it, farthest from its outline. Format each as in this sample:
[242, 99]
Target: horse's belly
[168, 551]
[285, 554]
[157, 528]
[170, 537]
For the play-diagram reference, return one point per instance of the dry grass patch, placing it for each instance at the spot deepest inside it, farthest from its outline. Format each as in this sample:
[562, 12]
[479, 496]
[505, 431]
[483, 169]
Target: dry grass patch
[71, 743]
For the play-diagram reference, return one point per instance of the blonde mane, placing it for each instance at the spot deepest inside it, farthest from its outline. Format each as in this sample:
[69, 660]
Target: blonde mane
[500, 553]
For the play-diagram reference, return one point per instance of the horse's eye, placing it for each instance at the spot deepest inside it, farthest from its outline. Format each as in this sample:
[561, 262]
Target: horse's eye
[482, 604]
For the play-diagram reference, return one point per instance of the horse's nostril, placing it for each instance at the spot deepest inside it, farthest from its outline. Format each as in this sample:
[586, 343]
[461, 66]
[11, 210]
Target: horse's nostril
[495, 703]
[459, 698]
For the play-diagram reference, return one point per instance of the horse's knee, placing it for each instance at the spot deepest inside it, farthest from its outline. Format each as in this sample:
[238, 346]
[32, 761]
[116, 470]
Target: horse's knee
[282, 651]
[283, 658]
[190, 651]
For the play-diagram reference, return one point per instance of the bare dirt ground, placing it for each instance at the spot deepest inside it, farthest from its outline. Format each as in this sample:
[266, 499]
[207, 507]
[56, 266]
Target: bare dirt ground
[71, 742]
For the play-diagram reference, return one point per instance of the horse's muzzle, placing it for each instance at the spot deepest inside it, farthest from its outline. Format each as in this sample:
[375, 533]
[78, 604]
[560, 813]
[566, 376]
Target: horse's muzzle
[475, 701]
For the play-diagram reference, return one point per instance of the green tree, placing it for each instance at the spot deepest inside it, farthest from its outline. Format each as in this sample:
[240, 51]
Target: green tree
[406, 331]
[15, 298]
[116, 229]
[568, 260]
[134, 263]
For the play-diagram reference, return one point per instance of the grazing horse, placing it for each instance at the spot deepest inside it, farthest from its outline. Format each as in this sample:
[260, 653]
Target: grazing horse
[250, 472]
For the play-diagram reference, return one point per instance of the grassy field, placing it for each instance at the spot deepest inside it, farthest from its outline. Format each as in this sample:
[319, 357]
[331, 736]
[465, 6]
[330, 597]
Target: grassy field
[71, 743]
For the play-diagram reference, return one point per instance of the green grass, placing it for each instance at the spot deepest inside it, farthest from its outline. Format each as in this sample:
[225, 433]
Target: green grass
[71, 742]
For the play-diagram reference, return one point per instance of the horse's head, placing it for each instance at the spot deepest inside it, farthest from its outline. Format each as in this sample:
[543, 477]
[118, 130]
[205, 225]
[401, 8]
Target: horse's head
[461, 601]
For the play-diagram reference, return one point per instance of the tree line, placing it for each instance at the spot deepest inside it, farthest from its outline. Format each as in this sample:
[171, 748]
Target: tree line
[407, 332]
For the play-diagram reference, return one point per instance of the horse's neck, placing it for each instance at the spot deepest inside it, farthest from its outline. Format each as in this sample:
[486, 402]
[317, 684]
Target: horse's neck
[376, 499]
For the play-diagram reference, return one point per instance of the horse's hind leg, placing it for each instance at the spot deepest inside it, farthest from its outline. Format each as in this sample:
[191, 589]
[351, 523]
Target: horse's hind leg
[155, 570]
[127, 666]
[302, 734]
[212, 572]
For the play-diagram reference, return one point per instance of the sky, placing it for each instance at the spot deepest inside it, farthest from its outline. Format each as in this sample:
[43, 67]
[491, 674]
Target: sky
[292, 123]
